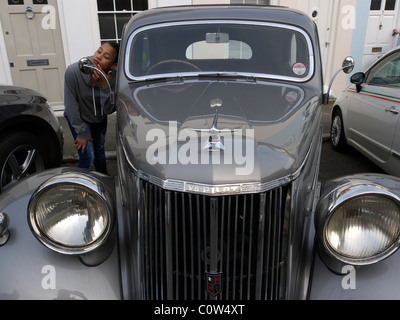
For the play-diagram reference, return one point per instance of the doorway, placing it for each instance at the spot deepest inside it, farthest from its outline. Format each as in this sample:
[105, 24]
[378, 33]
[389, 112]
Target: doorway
[379, 38]
[34, 47]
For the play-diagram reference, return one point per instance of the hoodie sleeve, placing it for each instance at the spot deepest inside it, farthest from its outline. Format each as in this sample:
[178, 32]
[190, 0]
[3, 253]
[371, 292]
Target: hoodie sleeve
[71, 104]
[105, 101]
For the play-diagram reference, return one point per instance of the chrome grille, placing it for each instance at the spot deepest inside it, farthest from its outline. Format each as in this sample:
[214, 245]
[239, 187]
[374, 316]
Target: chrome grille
[184, 236]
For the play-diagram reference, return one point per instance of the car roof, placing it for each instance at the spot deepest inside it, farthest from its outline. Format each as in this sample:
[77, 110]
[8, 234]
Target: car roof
[276, 14]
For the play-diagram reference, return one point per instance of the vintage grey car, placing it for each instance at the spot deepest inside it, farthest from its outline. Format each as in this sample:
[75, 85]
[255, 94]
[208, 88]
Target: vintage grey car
[217, 194]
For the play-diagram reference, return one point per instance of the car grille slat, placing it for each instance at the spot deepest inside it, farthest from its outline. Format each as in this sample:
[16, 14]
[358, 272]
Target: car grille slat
[184, 237]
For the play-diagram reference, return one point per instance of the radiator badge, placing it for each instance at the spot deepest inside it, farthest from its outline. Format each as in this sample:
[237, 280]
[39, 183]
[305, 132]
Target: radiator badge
[214, 283]
[213, 190]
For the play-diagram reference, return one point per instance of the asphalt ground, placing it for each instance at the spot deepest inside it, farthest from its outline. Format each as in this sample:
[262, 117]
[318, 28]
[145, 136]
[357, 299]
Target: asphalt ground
[332, 165]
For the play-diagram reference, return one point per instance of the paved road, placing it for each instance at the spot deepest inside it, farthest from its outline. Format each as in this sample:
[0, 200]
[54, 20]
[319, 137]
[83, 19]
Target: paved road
[333, 164]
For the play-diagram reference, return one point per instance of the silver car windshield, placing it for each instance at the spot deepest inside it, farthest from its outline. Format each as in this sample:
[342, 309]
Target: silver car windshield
[252, 49]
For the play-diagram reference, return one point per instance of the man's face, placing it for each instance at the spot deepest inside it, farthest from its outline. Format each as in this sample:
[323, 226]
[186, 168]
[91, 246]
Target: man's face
[106, 57]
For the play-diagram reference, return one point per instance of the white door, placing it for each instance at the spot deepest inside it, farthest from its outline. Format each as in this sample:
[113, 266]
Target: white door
[379, 38]
[34, 47]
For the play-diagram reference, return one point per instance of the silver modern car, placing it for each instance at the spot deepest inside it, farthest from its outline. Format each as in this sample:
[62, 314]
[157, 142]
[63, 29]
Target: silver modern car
[31, 139]
[366, 114]
[217, 195]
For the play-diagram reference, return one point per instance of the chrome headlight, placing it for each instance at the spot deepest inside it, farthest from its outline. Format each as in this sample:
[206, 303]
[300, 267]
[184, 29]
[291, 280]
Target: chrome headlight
[358, 223]
[70, 214]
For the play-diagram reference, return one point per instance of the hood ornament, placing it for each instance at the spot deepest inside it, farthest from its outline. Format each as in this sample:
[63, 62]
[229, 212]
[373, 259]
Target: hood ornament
[214, 142]
[214, 145]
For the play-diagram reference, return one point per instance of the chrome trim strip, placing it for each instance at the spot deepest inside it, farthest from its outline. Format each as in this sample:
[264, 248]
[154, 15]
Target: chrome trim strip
[396, 154]
[244, 22]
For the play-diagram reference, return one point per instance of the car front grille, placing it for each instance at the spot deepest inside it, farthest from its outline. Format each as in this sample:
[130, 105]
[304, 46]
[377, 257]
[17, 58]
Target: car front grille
[194, 246]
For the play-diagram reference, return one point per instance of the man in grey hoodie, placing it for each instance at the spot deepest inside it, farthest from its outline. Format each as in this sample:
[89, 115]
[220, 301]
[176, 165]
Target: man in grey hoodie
[87, 104]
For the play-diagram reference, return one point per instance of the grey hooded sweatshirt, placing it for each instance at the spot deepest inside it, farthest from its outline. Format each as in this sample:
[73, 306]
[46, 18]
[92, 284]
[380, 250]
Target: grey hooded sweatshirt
[85, 102]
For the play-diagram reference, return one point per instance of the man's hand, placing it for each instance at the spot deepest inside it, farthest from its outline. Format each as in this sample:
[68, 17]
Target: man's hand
[96, 77]
[81, 143]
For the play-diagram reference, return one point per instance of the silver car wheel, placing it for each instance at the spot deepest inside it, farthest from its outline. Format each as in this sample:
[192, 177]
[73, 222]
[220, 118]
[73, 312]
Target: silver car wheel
[336, 130]
[22, 161]
[338, 138]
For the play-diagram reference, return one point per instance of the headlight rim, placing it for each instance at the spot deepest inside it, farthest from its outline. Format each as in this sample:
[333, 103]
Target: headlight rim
[83, 180]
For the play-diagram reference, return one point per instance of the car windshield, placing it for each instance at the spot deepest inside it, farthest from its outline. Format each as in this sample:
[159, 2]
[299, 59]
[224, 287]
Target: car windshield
[201, 48]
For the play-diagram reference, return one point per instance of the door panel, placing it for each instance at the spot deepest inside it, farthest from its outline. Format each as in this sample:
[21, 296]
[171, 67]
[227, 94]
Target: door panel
[374, 112]
[372, 127]
[35, 53]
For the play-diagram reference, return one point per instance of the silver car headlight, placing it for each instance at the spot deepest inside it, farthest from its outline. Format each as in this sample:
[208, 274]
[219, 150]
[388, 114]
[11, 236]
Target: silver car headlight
[358, 223]
[70, 214]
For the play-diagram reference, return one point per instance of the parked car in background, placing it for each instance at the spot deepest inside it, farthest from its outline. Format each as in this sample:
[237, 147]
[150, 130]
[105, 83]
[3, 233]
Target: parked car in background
[217, 195]
[366, 115]
[31, 139]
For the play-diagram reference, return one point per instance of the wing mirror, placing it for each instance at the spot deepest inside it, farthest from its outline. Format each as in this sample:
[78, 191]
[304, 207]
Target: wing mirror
[347, 67]
[86, 66]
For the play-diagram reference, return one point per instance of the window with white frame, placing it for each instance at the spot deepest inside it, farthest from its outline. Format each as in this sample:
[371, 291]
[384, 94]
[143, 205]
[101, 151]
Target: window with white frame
[114, 14]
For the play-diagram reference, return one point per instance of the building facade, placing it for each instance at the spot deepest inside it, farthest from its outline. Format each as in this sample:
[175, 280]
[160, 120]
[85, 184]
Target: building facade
[39, 38]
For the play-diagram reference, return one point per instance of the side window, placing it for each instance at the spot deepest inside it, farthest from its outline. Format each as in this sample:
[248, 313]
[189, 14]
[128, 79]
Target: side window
[386, 73]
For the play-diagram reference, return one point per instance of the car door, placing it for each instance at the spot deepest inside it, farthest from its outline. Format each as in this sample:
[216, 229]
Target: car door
[374, 111]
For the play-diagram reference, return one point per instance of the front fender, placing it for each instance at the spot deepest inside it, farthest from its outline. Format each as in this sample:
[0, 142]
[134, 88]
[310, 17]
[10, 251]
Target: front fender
[340, 280]
[374, 282]
[29, 270]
